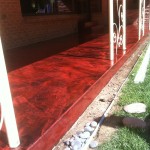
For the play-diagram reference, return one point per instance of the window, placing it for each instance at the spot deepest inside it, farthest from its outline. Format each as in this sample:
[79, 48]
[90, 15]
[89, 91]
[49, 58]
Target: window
[36, 7]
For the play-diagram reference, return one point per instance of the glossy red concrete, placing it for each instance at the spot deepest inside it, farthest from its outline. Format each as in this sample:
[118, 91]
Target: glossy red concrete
[50, 94]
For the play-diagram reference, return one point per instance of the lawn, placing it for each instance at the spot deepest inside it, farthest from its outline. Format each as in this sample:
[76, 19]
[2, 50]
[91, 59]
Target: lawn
[128, 138]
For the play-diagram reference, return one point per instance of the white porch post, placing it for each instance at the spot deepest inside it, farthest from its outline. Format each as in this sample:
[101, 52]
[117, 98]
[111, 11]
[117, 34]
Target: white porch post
[111, 29]
[141, 18]
[149, 16]
[7, 105]
[124, 24]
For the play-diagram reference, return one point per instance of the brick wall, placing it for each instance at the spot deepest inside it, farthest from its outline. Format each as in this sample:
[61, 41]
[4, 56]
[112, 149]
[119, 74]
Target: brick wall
[17, 30]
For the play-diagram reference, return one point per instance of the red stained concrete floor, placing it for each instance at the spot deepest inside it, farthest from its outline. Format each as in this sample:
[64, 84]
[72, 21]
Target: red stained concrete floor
[51, 90]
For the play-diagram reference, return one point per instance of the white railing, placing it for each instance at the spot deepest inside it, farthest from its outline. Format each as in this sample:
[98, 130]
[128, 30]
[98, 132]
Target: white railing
[117, 29]
[7, 111]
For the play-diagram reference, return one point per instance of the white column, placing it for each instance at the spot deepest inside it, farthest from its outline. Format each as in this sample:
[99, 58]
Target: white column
[124, 24]
[143, 18]
[149, 16]
[140, 17]
[7, 105]
[111, 29]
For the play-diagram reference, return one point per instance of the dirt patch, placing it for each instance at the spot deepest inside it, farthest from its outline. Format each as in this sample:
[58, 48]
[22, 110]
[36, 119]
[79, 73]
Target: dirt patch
[97, 108]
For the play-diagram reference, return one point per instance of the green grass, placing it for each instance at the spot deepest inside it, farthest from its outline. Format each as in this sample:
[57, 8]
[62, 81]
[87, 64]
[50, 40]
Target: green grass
[136, 93]
[128, 138]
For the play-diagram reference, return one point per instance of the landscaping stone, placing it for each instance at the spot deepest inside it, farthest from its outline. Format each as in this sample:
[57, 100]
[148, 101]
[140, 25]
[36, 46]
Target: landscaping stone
[93, 144]
[93, 124]
[82, 140]
[135, 108]
[71, 139]
[88, 124]
[89, 129]
[84, 135]
[83, 144]
[75, 148]
[78, 141]
[134, 122]
[76, 144]
[79, 132]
